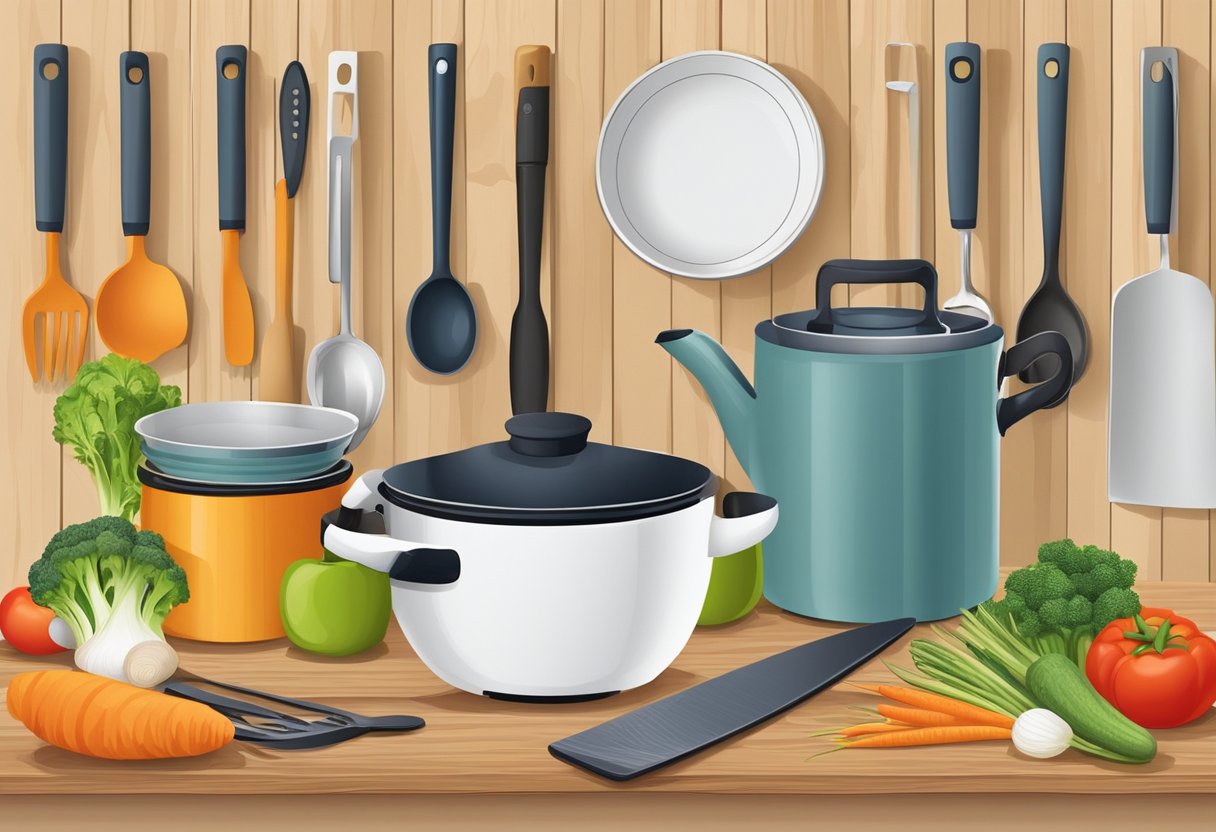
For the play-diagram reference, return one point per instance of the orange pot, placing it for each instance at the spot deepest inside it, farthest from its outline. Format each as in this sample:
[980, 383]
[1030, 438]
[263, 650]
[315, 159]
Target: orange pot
[235, 542]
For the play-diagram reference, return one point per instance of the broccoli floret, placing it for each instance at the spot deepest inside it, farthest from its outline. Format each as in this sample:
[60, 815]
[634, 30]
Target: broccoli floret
[112, 586]
[1061, 602]
[1116, 602]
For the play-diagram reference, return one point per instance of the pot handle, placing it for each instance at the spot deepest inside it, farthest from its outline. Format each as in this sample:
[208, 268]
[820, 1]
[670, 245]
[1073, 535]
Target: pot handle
[348, 533]
[747, 518]
[1049, 393]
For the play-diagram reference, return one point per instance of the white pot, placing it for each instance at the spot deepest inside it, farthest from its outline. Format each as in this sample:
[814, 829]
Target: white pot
[525, 611]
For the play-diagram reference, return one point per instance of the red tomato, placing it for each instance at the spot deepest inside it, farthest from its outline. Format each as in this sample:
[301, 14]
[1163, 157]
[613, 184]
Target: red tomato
[1155, 680]
[26, 625]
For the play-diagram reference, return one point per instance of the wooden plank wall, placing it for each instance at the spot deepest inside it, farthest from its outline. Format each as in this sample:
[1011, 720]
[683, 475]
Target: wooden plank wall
[604, 305]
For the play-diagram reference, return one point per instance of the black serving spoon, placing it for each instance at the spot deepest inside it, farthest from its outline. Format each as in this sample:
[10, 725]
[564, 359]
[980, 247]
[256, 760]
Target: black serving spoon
[1050, 308]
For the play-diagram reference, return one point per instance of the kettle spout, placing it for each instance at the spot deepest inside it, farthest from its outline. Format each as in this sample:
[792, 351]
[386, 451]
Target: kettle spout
[732, 395]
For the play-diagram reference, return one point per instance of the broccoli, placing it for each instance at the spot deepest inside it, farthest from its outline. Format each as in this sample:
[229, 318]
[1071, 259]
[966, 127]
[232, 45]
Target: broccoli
[1060, 603]
[112, 586]
[96, 417]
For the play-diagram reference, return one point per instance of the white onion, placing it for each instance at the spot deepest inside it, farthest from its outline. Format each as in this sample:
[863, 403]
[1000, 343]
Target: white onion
[1041, 734]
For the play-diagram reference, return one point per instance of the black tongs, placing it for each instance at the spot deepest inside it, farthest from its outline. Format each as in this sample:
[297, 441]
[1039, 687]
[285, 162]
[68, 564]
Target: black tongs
[281, 730]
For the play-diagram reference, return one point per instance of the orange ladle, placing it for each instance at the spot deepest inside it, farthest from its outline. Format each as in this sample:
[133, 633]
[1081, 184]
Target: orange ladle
[140, 307]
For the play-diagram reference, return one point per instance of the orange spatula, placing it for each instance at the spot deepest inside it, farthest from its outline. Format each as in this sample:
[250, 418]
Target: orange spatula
[63, 313]
[230, 100]
[141, 309]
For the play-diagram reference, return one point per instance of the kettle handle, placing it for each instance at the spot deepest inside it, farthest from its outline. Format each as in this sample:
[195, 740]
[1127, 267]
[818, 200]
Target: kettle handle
[1049, 393]
[835, 272]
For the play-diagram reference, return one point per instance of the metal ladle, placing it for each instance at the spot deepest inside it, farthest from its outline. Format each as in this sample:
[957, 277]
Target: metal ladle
[344, 372]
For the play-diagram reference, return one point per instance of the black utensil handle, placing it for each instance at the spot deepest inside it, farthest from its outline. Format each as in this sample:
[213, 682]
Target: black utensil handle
[835, 272]
[135, 105]
[1013, 409]
[1053, 123]
[529, 353]
[529, 359]
[230, 133]
[295, 104]
[963, 132]
[1159, 139]
[441, 69]
[50, 135]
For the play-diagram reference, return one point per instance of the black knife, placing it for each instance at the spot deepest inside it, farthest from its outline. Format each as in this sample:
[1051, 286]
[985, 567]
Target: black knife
[687, 722]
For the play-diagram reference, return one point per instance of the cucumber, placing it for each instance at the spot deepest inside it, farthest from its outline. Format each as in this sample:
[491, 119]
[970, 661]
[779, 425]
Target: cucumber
[1060, 686]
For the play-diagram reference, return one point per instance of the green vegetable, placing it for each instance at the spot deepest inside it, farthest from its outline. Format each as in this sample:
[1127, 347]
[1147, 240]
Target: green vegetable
[96, 415]
[1060, 603]
[1060, 686]
[112, 585]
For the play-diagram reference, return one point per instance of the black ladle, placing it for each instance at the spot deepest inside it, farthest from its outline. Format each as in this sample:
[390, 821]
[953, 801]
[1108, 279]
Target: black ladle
[1050, 308]
[441, 324]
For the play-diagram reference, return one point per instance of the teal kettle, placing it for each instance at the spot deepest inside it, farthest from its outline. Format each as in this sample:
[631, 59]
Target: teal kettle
[877, 430]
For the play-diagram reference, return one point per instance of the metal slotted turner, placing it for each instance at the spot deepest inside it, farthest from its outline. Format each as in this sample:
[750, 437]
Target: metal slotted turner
[1163, 374]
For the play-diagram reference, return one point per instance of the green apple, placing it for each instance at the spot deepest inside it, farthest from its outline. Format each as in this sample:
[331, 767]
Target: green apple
[334, 607]
[735, 586]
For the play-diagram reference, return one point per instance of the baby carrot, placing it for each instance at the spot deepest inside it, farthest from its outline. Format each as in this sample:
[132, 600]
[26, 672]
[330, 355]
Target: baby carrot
[873, 728]
[940, 735]
[964, 711]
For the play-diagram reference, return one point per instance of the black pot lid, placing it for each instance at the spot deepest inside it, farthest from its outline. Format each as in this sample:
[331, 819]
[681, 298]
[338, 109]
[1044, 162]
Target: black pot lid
[878, 329]
[547, 473]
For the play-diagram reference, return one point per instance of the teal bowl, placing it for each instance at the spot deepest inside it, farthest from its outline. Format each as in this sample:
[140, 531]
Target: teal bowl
[245, 442]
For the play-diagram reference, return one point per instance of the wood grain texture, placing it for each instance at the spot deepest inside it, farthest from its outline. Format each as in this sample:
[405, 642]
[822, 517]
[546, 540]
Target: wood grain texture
[604, 304]
[1044, 435]
[162, 30]
[582, 326]
[998, 255]
[1186, 25]
[593, 812]
[641, 372]
[882, 203]
[748, 300]
[274, 38]
[949, 26]
[689, 26]
[95, 34]
[212, 25]
[1087, 259]
[809, 43]
[474, 745]
[30, 466]
[493, 30]
[1135, 531]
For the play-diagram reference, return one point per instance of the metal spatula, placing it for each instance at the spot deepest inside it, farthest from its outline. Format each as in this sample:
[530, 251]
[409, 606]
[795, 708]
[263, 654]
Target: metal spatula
[1162, 370]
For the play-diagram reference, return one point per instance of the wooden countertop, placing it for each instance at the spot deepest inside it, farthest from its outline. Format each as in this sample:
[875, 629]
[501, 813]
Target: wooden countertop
[474, 745]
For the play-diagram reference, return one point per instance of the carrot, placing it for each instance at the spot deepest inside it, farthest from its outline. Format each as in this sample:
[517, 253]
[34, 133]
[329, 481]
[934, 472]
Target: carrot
[920, 717]
[873, 728]
[939, 735]
[103, 718]
[965, 712]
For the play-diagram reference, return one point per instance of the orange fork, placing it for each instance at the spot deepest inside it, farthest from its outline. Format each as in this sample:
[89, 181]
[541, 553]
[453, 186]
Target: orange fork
[58, 313]
[55, 319]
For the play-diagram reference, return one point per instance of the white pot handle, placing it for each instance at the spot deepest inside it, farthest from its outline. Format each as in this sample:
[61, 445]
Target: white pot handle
[749, 518]
[364, 492]
[403, 560]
